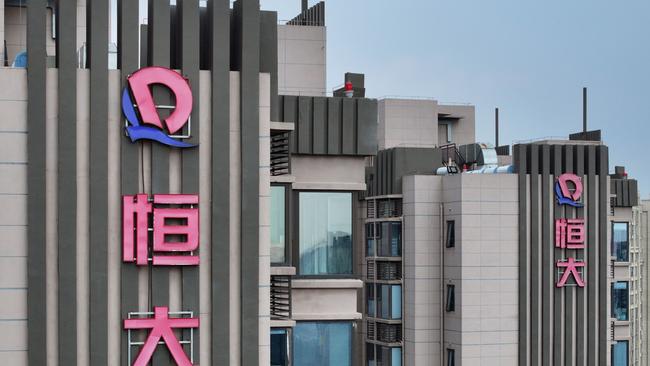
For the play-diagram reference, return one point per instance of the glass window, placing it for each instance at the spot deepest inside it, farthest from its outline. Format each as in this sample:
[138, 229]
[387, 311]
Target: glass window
[620, 353]
[451, 298]
[322, 344]
[325, 233]
[278, 228]
[279, 347]
[370, 239]
[390, 239]
[620, 241]
[620, 300]
[370, 295]
[389, 301]
[451, 234]
[396, 356]
[451, 357]
[370, 354]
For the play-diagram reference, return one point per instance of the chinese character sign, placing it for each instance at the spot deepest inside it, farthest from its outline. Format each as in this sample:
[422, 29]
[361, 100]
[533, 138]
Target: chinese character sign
[161, 326]
[569, 233]
[174, 222]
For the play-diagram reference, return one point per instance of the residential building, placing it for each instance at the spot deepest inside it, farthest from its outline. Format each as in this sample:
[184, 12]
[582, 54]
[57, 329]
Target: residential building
[276, 224]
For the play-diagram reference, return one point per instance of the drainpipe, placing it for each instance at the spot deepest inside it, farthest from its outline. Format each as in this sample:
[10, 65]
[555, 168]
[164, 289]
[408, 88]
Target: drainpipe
[442, 285]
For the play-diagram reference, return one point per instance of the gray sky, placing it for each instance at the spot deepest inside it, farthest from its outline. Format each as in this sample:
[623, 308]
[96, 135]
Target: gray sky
[530, 59]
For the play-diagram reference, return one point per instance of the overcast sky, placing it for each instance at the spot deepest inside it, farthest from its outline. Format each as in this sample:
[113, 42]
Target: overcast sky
[529, 58]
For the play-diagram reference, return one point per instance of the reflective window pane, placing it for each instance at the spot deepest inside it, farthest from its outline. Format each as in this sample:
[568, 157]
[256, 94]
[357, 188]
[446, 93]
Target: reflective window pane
[370, 295]
[279, 347]
[278, 229]
[620, 300]
[396, 356]
[620, 241]
[325, 233]
[620, 353]
[322, 344]
[396, 302]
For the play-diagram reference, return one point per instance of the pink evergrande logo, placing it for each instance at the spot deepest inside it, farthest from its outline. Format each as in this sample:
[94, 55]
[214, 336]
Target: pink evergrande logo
[161, 327]
[178, 208]
[571, 266]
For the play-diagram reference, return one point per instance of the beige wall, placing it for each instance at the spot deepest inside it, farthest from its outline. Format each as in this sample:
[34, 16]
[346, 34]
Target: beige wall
[407, 123]
[328, 172]
[302, 60]
[13, 217]
[483, 267]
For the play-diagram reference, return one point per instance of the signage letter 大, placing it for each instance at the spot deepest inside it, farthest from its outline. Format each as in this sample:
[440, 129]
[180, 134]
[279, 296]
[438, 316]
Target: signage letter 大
[140, 111]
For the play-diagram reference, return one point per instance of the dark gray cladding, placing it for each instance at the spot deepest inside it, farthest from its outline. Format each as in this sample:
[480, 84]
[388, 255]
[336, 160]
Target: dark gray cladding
[36, 87]
[314, 16]
[66, 54]
[385, 176]
[561, 325]
[626, 191]
[331, 125]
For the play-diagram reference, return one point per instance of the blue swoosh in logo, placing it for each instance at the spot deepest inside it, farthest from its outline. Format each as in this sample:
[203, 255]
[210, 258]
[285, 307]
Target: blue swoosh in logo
[138, 132]
[563, 200]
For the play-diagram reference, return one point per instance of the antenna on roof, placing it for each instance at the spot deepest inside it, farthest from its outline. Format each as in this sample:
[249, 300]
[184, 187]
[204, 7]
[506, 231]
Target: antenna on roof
[496, 127]
[584, 109]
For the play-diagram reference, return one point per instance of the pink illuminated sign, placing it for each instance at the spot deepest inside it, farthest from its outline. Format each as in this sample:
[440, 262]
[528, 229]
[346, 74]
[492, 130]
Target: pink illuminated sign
[161, 326]
[569, 233]
[175, 226]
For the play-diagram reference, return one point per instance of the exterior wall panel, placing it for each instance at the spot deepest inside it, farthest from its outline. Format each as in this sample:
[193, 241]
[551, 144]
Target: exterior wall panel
[571, 331]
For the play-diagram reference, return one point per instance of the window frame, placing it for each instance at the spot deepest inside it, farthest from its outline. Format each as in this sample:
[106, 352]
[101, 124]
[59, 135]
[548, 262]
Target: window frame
[613, 246]
[450, 298]
[450, 229]
[627, 348]
[353, 326]
[451, 357]
[389, 301]
[289, 335]
[627, 312]
[295, 239]
[287, 226]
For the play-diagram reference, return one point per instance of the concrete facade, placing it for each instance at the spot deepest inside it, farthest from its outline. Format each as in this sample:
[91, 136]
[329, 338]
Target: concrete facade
[482, 266]
[302, 60]
[423, 123]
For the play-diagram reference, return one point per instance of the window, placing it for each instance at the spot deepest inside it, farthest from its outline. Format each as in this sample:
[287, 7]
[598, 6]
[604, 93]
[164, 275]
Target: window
[322, 344]
[450, 242]
[278, 225]
[389, 239]
[370, 296]
[451, 357]
[451, 298]
[620, 353]
[370, 239]
[325, 233]
[620, 301]
[620, 241]
[389, 301]
[370, 354]
[279, 347]
[383, 356]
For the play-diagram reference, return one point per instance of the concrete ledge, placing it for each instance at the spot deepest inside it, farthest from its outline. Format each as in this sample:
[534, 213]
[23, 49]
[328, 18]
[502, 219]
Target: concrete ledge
[329, 186]
[283, 271]
[283, 126]
[283, 179]
[283, 323]
[326, 283]
[322, 316]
